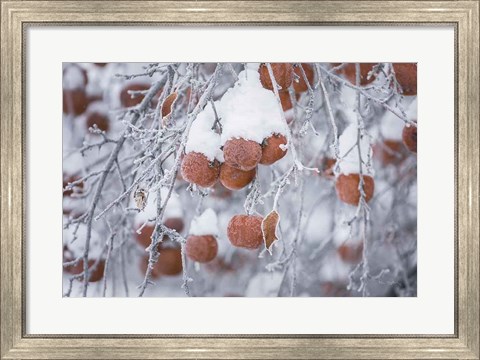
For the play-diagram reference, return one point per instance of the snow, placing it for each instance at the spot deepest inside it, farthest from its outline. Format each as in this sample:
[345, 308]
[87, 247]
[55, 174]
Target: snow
[174, 206]
[202, 138]
[318, 227]
[113, 94]
[250, 111]
[77, 247]
[225, 248]
[247, 111]
[253, 66]
[98, 107]
[264, 284]
[334, 269]
[173, 210]
[290, 115]
[391, 126]
[73, 78]
[95, 77]
[73, 164]
[347, 103]
[205, 224]
[386, 196]
[349, 162]
[412, 108]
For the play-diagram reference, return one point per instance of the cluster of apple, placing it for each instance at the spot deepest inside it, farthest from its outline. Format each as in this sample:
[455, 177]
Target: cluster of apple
[242, 156]
[397, 141]
[201, 245]
[284, 75]
[246, 230]
[391, 150]
[240, 167]
[78, 100]
[406, 83]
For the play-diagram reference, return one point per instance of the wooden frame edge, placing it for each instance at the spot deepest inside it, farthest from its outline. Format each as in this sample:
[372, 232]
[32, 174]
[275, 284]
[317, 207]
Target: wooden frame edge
[15, 344]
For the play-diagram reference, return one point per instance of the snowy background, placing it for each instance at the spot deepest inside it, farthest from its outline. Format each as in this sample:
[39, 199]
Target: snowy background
[132, 207]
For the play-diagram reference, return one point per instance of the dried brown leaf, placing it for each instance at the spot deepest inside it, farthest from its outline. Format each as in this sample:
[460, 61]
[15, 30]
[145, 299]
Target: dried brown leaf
[269, 229]
[140, 197]
[167, 107]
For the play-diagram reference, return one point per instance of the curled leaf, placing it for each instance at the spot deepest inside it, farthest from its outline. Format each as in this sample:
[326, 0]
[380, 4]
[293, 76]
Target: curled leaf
[269, 229]
[167, 107]
[140, 196]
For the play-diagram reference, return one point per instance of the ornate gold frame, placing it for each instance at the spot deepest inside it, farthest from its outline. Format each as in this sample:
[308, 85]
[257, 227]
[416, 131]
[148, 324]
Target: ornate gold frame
[15, 15]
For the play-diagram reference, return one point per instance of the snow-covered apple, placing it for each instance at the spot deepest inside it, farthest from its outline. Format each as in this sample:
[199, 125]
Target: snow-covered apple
[235, 179]
[129, 100]
[170, 261]
[144, 238]
[389, 152]
[201, 248]
[75, 101]
[242, 154]
[409, 137]
[202, 244]
[347, 187]
[197, 169]
[350, 253]
[285, 100]
[406, 75]
[282, 72]
[98, 119]
[245, 231]
[273, 149]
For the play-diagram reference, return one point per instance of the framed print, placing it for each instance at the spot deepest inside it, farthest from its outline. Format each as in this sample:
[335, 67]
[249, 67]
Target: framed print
[234, 169]
[239, 179]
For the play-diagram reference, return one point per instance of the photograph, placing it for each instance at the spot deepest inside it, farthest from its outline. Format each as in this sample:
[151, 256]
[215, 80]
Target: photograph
[239, 179]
